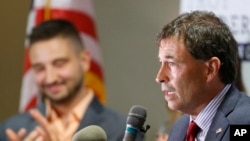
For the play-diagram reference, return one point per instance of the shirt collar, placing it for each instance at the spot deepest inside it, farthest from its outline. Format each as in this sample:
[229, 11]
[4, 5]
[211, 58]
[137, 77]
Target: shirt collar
[205, 117]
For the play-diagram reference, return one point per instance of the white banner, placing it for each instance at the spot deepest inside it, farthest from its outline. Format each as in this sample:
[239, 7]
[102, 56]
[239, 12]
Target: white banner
[236, 13]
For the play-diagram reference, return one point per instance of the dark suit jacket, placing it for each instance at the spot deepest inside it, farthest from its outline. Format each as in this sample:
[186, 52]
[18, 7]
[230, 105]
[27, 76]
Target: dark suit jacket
[113, 123]
[234, 109]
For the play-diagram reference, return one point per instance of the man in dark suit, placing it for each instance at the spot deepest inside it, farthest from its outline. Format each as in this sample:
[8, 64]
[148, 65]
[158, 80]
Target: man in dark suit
[59, 61]
[198, 65]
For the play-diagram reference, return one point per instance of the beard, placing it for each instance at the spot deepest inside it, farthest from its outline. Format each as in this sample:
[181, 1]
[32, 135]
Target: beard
[66, 98]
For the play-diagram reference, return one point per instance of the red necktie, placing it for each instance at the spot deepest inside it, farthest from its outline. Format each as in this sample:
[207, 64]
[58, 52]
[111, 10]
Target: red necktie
[193, 129]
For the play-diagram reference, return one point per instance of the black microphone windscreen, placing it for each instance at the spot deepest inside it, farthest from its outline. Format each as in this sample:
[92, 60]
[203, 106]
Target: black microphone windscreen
[135, 120]
[90, 133]
[137, 116]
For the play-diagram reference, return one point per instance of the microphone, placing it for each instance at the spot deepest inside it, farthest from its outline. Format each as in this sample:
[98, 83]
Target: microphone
[135, 120]
[90, 133]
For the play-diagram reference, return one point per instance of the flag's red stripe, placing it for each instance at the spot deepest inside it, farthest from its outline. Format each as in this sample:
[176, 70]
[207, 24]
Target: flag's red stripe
[27, 64]
[83, 22]
[96, 69]
[31, 104]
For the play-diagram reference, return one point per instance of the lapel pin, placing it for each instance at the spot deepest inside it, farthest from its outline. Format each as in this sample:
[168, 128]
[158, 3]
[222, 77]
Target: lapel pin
[218, 130]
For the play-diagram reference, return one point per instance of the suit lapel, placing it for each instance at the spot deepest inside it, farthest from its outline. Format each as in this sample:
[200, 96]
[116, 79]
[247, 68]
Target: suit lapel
[218, 127]
[220, 124]
[93, 114]
[178, 132]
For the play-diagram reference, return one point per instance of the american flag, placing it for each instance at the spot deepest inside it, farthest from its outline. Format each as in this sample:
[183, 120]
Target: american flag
[81, 14]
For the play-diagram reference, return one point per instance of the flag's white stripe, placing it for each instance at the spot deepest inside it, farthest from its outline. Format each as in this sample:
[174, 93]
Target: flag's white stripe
[30, 25]
[85, 6]
[93, 47]
[29, 89]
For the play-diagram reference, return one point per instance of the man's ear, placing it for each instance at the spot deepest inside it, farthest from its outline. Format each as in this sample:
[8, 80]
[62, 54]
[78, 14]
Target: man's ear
[86, 60]
[213, 66]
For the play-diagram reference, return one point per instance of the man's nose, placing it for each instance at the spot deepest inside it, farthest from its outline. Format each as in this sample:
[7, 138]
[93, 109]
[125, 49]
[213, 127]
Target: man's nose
[50, 76]
[161, 75]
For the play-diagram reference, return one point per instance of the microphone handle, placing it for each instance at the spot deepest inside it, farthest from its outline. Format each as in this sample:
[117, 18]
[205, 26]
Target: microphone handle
[130, 133]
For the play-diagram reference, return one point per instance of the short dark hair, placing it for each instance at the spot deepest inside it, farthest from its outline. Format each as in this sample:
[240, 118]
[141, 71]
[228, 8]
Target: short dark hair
[205, 36]
[54, 28]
